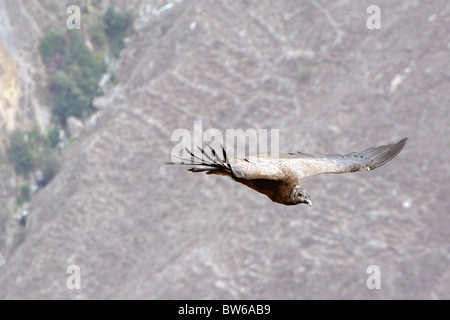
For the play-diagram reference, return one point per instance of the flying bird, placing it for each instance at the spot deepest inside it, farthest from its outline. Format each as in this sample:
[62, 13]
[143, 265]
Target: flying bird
[278, 176]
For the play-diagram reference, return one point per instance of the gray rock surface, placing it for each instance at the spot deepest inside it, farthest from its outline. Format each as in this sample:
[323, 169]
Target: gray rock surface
[75, 127]
[140, 229]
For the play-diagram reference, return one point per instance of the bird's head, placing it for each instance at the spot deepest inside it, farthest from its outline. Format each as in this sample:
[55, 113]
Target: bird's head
[300, 195]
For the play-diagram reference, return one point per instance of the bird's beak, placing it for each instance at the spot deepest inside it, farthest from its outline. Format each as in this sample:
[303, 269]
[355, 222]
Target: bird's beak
[309, 203]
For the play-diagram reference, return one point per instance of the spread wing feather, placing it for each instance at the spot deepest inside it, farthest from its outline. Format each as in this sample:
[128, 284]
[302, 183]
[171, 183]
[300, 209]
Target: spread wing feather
[246, 169]
[355, 161]
[288, 166]
[278, 175]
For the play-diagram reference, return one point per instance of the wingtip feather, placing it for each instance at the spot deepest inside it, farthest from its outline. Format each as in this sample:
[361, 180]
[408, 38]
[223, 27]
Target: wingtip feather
[384, 154]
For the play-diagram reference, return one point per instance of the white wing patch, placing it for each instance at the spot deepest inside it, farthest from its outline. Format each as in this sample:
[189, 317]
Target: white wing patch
[257, 168]
[308, 167]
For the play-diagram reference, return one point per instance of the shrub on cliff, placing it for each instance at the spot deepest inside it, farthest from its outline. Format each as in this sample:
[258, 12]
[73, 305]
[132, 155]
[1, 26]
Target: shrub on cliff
[50, 44]
[20, 152]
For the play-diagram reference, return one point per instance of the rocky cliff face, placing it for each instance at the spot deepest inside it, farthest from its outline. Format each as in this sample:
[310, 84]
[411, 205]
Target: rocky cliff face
[22, 104]
[9, 90]
[140, 229]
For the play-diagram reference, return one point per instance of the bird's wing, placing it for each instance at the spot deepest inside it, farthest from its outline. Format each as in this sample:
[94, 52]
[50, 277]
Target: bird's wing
[217, 162]
[257, 168]
[278, 175]
[313, 164]
[293, 166]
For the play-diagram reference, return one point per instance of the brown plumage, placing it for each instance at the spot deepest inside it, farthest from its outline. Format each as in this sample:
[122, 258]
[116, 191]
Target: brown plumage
[278, 176]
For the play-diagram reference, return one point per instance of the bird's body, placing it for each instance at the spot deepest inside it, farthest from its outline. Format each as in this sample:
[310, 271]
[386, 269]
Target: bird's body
[278, 175]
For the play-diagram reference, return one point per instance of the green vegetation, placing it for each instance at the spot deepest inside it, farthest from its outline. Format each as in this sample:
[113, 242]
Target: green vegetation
[19, 237]
[20, 152]
[48, 162]
[304, 73]
[24, 196]
[75, 79]
[50, 44]
[98, 35]
[70, 100]
[113, 78]
[111, 30]
[29, 151]
[75, 70]
[118, 25]
[85, 10]
[52, 137]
